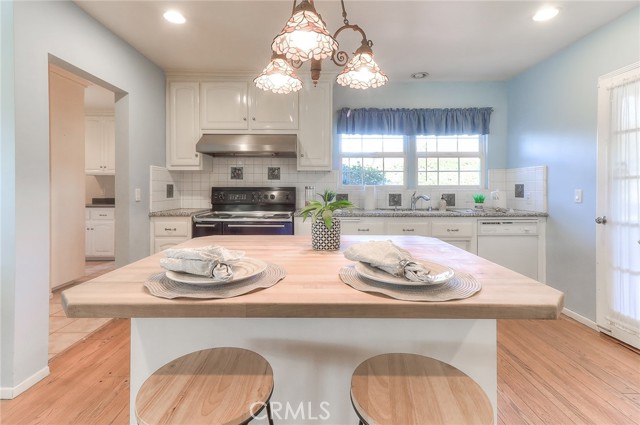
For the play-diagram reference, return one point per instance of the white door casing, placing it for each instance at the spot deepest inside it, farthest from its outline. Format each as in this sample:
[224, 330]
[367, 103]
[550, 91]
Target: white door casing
[618, 205]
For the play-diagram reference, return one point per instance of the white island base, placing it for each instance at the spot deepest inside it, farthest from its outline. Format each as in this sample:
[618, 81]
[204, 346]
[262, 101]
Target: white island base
[313, 358]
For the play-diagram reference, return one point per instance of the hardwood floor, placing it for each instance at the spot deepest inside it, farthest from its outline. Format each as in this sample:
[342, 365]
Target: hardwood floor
[549, 372]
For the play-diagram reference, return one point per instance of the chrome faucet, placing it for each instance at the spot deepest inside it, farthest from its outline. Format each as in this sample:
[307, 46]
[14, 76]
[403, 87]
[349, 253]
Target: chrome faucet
[415, 199]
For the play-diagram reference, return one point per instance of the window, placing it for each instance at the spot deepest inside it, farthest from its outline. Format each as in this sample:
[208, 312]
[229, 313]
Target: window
[372, 160]
[449, 160]
[412, 160]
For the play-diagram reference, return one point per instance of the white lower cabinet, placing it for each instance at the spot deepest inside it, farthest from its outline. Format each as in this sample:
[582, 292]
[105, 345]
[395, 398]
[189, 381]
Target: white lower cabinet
[100, 233]
[168, 231]
[459, 232]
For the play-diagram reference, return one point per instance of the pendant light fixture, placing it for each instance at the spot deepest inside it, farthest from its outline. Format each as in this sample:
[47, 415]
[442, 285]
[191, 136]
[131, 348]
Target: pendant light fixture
[305, 37]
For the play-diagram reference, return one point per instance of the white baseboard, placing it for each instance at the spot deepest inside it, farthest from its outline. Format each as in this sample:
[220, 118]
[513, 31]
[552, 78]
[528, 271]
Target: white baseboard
[575, 316]
[8, 393]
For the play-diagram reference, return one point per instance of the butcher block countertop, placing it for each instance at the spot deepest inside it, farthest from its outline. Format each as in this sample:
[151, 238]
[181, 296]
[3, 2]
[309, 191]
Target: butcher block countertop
[313, 289]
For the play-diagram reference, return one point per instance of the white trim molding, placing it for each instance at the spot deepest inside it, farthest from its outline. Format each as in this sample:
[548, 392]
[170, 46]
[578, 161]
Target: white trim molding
[575, 316]
[9, 393]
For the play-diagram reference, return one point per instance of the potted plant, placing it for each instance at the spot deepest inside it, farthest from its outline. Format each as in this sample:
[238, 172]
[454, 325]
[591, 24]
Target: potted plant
[325, 230]
[479, 200]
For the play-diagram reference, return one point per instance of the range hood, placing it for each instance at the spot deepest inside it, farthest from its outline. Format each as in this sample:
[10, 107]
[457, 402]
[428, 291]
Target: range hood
[279, 145]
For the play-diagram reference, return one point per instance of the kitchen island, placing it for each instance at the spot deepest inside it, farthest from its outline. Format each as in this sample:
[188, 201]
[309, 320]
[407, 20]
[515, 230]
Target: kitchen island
[313, 328]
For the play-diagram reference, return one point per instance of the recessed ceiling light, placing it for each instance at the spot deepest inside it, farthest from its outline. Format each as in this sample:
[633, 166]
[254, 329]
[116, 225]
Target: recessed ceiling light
[419, 75]
[546, 13]
[174, 17]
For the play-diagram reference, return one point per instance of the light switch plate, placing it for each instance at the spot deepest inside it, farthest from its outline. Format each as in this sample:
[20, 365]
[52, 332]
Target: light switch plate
[137, 194]
[577, 196]
[169, 191]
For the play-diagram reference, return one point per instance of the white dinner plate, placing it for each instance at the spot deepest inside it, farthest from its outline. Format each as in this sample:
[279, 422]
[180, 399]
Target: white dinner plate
[242, 269]
[438, 274]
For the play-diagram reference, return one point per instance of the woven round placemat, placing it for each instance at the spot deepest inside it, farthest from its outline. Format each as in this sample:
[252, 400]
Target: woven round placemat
[462, 285]
[160, 285]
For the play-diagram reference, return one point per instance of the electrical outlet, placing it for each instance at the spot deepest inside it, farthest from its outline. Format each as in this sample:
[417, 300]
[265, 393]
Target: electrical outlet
[450, 198]
[519, 190]
[342, 197]
[169, 191]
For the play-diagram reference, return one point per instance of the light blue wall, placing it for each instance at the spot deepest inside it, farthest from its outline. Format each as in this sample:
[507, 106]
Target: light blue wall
[552, 121]
[41, 30]
[438, 95]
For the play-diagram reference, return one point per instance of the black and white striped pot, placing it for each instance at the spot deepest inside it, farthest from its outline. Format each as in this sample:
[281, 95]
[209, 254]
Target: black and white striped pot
[323, 239]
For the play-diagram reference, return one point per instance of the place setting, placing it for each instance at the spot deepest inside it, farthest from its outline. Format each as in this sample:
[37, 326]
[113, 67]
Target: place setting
[211, 272]
[385, 268]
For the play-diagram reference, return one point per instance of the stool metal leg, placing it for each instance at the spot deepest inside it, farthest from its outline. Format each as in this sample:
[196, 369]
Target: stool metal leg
[269, 418]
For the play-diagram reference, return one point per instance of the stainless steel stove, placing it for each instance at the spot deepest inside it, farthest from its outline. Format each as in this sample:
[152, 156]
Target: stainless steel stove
[247, 211]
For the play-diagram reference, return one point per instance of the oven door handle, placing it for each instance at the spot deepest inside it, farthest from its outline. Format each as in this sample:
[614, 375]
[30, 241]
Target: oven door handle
[257, 225]
[206, 225]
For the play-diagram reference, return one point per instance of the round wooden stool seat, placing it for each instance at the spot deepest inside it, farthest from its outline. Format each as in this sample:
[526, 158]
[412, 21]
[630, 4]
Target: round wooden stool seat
[214, 386]
[408, 389]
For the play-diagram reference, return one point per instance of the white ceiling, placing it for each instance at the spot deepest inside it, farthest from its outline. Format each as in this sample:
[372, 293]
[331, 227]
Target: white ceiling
[452, 40]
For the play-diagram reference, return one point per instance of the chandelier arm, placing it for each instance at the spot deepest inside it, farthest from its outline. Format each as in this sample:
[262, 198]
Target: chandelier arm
[296, 64]
[341, 57]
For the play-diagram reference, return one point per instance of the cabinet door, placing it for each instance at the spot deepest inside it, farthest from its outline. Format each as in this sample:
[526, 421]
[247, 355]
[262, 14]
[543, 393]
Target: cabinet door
[184, 126]
[109, 144]
[93, 145]
[315, 128]
[88, 239]
[103, 238]
[224, 106]
[270, 111]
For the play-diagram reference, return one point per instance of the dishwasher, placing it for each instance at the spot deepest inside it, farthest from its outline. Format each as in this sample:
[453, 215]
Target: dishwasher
[510, 243]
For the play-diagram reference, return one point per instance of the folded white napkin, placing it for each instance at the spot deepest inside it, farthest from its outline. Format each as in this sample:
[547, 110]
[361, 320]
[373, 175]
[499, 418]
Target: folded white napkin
[389, 258]
[211, 261]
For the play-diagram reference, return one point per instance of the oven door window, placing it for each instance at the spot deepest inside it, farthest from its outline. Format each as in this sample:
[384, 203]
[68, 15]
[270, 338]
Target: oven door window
[258, 228]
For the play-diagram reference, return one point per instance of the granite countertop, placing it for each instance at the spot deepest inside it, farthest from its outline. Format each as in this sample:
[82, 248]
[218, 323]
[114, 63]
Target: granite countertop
[451, 212]
[178, 212]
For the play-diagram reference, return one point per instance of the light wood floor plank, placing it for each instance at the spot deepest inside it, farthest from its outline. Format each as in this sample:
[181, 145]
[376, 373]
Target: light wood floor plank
[549, 372]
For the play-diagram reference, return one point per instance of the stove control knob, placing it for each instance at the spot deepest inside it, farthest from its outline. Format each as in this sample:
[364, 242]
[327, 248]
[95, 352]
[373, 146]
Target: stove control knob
[272, 196]
[266, 196]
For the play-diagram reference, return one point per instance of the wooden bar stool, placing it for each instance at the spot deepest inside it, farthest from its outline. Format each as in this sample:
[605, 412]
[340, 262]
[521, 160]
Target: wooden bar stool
[218, 386]
[408, 389]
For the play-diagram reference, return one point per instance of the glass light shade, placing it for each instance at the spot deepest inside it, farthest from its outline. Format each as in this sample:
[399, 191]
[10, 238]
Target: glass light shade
[304, 36]
[278, 77]
[362, 72]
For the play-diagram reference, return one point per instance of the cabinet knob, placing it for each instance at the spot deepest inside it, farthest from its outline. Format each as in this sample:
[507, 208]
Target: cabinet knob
[244, 119]
[301, 155]
[196, 155]
[254, 118]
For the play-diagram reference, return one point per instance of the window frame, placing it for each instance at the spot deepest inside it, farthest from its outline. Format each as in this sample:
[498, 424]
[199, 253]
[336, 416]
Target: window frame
[410, 155]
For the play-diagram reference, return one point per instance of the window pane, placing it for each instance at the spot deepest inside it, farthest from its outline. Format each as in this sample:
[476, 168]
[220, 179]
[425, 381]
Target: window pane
[448, 179]
[394, 178]
[470, 164]
[469, 144]
[421, 144]
[393, 144]
[351, 144]
[432, 179]
[448, 164]
[394, 164]
[470, 179]
[432, 164]
[422, 178]
[422, 164]
[448, 144]
[371, 176]
[371, 144]
[375, 163]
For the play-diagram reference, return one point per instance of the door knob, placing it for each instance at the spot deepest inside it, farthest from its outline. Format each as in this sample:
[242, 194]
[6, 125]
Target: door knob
[601, 220]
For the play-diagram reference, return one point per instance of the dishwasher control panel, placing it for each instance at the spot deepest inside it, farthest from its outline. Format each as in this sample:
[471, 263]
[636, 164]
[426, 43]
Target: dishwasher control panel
[507, 227]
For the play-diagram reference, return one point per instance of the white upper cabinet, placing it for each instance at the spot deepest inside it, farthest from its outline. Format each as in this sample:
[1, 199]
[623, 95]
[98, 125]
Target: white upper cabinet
[100, 145]
[315, 129]
[183, 126]
[240, 106]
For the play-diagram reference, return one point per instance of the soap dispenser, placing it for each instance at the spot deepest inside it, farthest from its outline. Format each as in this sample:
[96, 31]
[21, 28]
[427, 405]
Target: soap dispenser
[442, 205]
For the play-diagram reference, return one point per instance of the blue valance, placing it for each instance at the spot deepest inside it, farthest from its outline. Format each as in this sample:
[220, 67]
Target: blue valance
[411, 122]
